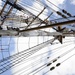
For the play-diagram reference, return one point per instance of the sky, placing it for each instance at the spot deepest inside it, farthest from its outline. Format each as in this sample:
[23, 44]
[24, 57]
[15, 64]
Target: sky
[66, 68]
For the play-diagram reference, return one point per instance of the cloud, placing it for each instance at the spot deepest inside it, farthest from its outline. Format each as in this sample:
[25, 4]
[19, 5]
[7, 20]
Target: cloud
[57, 3]
[72, 2]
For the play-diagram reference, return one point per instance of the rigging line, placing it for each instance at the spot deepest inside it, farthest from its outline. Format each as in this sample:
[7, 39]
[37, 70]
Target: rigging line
[8, 13]
[16, 60]
[68, 58]
[19, 55]
[34, 56]
[13, 14]
[54, 50]
[34, 8]
[25, 70]
[24, 51]
[66, 41]
[38, 2]
[29, 13]
[35, 18]
[61, 62]
[26, 10]
[9, 66]
[62, 45]
[54, 4]
[28, 66]
[67, 52]
[57, 58]
[46, 72]
[41, 22]
[3, 8]
[47, 18]
[28, 74]
[69, 41]
[54, 10]
[29, 7]
[43, 4]
[31, 57]
[46, 23]
[32, 14]
[46, 5]
[64, 11]
[41, 67]
[50, 3]
[48, 26]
